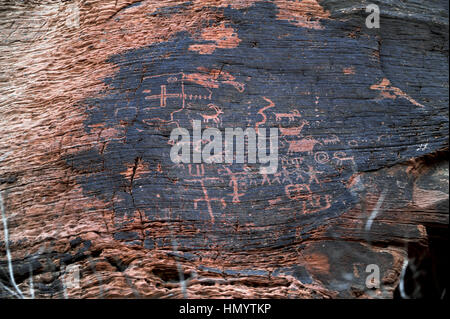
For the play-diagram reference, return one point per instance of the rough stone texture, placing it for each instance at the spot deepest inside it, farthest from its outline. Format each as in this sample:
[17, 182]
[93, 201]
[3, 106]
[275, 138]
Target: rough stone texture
[86, 110]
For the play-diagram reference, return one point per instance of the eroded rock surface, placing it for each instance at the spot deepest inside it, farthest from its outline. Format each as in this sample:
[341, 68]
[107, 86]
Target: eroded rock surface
[88, 101]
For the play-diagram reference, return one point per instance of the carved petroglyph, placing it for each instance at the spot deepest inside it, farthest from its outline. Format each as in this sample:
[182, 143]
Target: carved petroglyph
[391, 92]
[318, 203]
[181, 91]
[172, 79]
[305, 145]
[218, 36]
[342, 157]
[353, 143]
[281, 177]
[214, 117]
[163, 96]
[331, 140]
[321, 157]
[290, 116]
[310, 202]
[165, 80]
[298, 174]
[200, 170]
[312, 174]
[213, 78]
[208, 200]
[261, 112]
[296, 161]
[293, 131]
[265, 180]
[234, 182]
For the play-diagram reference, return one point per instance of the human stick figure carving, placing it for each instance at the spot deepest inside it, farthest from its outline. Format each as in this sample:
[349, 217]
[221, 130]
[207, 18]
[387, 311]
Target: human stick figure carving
[234, 182]
[206, 197]
[200, 170]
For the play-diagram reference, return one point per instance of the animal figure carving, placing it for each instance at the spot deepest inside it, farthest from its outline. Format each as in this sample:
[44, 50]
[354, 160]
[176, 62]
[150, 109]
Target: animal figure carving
[214, 117]
[293, 131]
[341, 157]
[305, 145]
[332, 140]
[291, 115]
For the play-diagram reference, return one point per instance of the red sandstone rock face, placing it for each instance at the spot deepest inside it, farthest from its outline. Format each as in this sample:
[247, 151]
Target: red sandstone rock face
[86, 186]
